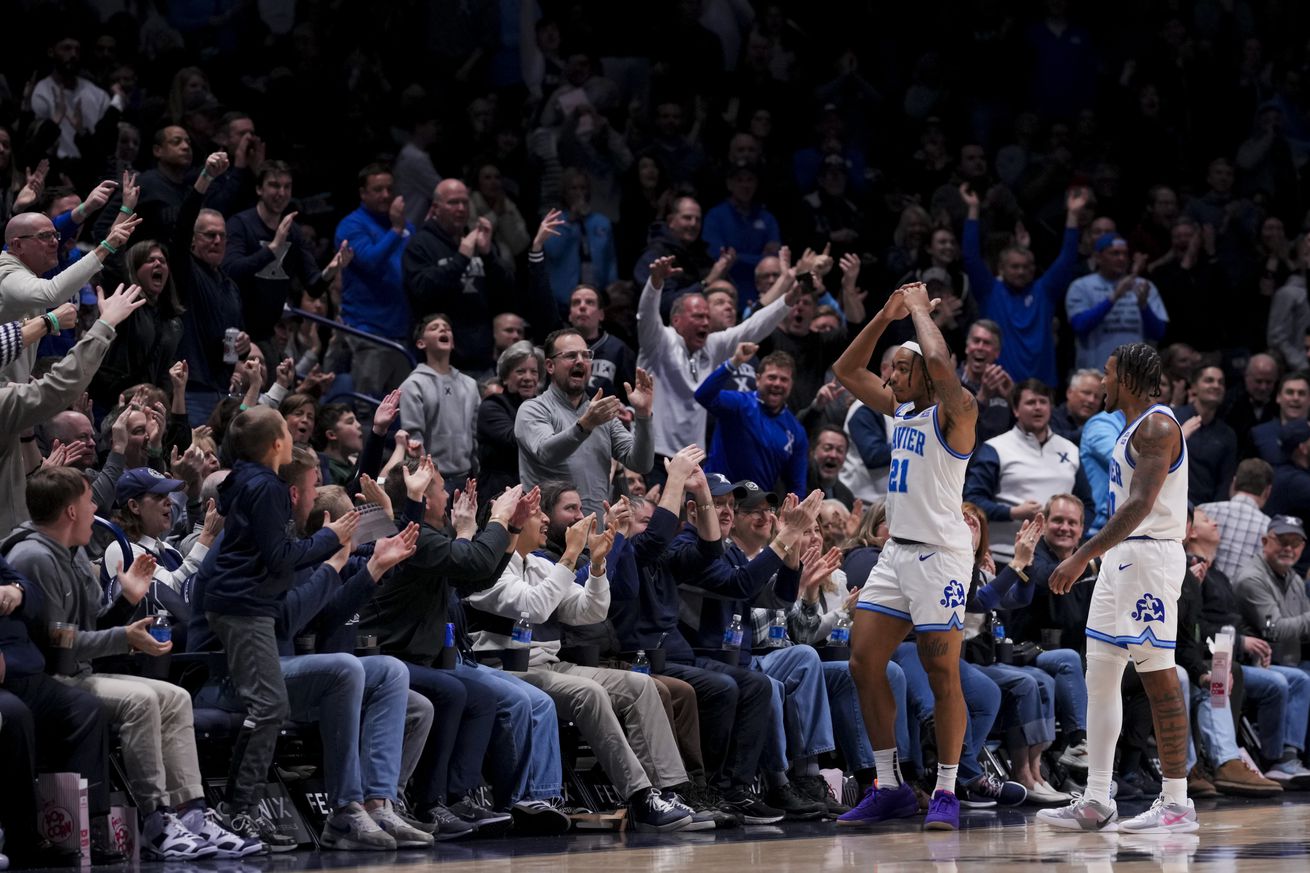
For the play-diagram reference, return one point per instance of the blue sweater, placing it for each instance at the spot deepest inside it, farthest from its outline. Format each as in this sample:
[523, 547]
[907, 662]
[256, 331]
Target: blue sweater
[659, 598]
[730, 584]
[372, 287]
[749, 441]
[750, 235]
[259, 557]
[1028, 349]
[564, 256]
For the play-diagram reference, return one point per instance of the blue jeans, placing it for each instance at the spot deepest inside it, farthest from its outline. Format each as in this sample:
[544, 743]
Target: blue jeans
[457, 744]
[1028, 696]
[1216, 726]
[1065, 666]
[848, 722]
[1282, 696]
[525, 763]
[802, 719]
[359, 704]
[200, 405]
[982, 697]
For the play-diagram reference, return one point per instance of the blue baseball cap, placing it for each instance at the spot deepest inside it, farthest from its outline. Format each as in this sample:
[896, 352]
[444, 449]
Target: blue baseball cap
[1293, 434]
[144, 480]
[719, 486]
[1106, 240]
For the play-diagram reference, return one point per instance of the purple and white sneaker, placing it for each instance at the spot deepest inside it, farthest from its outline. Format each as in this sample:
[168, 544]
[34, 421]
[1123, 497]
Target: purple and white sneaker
[943, 812]
[881, 804]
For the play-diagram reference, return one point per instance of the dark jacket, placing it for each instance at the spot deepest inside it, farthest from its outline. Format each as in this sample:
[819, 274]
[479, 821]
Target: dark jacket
[469, 291]
[212, 301]
[728, 585]
[145, 346]
[259, 555]
[644, 551]
[22, 626]
[409, 614]
[1064, 612]
[498, 450]
[694, 258]
[248, 256]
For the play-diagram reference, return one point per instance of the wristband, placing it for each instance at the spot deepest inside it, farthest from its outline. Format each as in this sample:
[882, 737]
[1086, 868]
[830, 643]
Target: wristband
[79, 209]
[125, 210]
[105, 323]
[1020, 573]
[104, 244]
[514, 530]
[204, 172]
[53, 321]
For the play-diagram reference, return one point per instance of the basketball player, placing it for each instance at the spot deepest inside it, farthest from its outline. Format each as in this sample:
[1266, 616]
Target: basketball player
[1134, 606]
[920, 580]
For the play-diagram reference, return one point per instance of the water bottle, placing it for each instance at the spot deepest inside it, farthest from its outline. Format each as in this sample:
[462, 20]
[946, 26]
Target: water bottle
[1004, 645]
[160, 628]
[521, 637]
[450, 635]
[1221, 648]
[642, 663]
[1271, 630]
[841, 631]
[732, 636]
[998, 631]
[778, 630]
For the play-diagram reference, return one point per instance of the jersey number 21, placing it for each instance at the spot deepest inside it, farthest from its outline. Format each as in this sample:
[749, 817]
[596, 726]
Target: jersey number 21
[898, 479]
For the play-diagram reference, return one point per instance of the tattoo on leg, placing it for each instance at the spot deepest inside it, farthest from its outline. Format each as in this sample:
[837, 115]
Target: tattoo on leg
[934, 648]
[1169, 712]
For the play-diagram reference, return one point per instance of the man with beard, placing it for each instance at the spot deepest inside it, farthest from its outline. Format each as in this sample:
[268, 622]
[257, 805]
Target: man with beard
[1082, 400]
[563, 434]
[265, 249]
[757, 437]
[826, 461]
[613, 364]
[813, 352]
[74, 104]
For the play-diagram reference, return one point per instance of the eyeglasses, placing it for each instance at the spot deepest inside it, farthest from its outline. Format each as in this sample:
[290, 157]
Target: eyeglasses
[759, 510]
[45, 236]
[584, 355]
[212, 234]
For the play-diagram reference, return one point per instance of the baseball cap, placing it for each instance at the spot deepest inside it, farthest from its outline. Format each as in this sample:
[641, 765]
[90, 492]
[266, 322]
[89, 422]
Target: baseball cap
[1106, 240]
[719, 486]
[935, 274]
[1286, 524]
[754, 495]
[1293, 434]
[144, 480]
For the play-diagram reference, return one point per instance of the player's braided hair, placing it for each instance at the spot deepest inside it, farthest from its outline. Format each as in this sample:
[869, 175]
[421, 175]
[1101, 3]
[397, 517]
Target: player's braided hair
[1139, 368]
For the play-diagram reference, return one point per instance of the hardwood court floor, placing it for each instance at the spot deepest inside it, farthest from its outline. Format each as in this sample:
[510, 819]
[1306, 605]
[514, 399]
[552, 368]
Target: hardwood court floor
[1234, 835]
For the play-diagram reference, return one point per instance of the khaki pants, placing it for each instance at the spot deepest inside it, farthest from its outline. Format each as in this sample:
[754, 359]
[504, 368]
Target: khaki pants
[679, 701]
[158, 733]
[621, 716]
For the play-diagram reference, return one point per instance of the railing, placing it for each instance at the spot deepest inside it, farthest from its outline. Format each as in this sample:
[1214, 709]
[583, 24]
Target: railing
[359, 334]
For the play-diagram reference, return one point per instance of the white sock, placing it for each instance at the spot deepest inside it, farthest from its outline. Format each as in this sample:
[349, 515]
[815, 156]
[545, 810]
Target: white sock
[946, 777]
[1175, 790]
[1105, 668]
[884, 760]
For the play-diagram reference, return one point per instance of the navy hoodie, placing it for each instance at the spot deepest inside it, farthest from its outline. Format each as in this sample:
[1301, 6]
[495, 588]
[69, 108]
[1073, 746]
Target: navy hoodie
[22, 657]
[260, 554]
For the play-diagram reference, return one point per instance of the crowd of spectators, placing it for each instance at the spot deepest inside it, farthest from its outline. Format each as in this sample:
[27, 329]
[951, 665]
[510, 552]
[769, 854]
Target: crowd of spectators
[552, 289]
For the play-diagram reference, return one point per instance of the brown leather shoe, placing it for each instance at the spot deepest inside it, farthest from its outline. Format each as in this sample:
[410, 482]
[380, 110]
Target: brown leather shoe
[1198, 785]
[1234, 777]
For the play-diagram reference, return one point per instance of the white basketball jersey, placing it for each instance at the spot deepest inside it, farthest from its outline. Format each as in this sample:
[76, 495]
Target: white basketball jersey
[1167, 518]
[925, 483]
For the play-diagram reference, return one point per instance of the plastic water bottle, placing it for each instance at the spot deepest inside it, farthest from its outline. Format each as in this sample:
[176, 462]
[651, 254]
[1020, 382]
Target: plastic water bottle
[1221, 648]
[521, 637]
[778, 630]
[998, 631]
[841, 631]
[732, 636]
[161, 629]
[1271, 629]
[450, 635]
[642, 663]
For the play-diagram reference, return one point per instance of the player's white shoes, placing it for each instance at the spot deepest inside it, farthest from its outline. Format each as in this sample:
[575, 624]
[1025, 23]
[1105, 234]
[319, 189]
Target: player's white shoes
[1084, 814]
[1163, 818]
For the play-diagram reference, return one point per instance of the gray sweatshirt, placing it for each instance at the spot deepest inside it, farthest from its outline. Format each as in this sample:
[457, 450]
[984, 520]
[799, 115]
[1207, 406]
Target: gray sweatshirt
[442, 410]
[1261, 596]
[552, 445]
[72, 594]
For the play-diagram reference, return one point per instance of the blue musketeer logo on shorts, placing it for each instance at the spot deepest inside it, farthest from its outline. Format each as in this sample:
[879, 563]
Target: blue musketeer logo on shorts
[952, 595]
[1149, 608]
